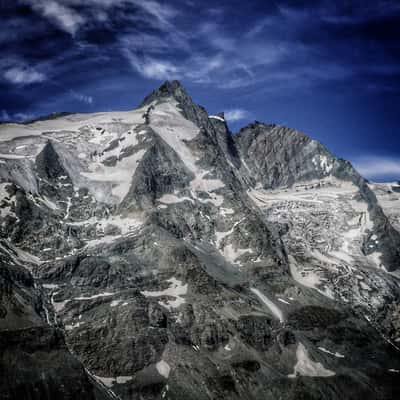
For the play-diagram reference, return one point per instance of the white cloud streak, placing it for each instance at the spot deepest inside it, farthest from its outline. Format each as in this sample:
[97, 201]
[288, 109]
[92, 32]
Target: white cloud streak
[63, 14]
[19, 116]
[161, 12]
[23, 75]
[236, 115]
[64, 17]
[224, 60]
[81, 97]
[378, 167]
[23, 116]
[152, 68]
[4, 116]
[164, 41]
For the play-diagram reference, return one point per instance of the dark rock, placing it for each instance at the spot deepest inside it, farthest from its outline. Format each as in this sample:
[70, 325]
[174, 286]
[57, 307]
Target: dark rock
[309, 317]
[255, 330]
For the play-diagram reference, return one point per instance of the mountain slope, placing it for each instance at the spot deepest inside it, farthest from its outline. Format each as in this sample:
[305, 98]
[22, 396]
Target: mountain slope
[180, 261]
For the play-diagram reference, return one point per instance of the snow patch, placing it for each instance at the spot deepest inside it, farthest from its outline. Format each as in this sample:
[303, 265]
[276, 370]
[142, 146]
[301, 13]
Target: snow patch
[27, 257]
[226, 211]
[127, 225]
[163, 369]
[49, 204]
[109, 382]
[231, 254]
[103, 294]
[216, 117]
[59, 305]
[322, 162]
[336, 354]
[307, 277]
[306, 367]
[176, 289]
[120, 175]
[123, 379]
[115, 303]
[73, 326]
[173, 199]
[271, 305]
[50, 286]
[176, 131]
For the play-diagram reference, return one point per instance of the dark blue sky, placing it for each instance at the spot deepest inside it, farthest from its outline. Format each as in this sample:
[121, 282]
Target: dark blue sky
[328, 68]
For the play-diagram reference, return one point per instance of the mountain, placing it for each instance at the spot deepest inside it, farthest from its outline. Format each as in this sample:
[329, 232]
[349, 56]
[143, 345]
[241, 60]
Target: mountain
[152, 254]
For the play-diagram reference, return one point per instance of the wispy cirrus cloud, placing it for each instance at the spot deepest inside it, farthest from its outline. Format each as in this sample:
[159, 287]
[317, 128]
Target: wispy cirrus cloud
[4, 115]
[162, 13]
[66, 18]
[81, 97]
[236, 114]
[72, 15]
[23, 75]
[378, 167]
[196, 69]
[23, 116]
[170, 40]
[19, 116]
[152, 68]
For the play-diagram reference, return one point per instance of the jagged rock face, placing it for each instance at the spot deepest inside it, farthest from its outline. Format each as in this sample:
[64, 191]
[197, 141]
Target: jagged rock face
[279, 156]
[159, 172]
[160, 256]
[35, 361]
[174, 90]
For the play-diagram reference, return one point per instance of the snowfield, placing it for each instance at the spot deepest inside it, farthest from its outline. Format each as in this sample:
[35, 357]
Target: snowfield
[306, 367]
[176, 290]
[329, 223]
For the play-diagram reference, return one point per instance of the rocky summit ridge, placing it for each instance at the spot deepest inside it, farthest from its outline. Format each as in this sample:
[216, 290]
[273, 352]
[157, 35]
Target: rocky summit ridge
[152, 254]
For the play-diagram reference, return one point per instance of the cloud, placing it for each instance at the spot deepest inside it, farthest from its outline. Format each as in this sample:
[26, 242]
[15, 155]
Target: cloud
[66, 18]
[161, 13]
[23, 75]
[81, 97]
[163, 41]
[236, 114]
[201, 69]
[152, 68]
[158, 69]
[197, 69]
[378, 167]
[23, 116]
[145, 42]
[4, 116]
[19, 116]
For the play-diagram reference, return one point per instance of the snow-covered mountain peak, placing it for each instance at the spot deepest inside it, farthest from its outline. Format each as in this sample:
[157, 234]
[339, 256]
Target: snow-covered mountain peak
[156, 255]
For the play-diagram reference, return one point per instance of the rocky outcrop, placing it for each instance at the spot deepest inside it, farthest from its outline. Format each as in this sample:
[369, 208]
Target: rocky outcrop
[35, 361]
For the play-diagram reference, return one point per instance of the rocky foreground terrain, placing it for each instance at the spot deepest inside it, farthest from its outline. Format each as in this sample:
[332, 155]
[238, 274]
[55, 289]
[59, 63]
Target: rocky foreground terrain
[151, 254]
